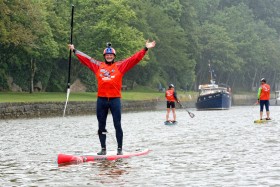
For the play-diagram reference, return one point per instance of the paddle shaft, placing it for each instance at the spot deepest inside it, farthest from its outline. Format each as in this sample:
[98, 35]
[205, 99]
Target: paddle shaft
[69, 60]
[71, 42]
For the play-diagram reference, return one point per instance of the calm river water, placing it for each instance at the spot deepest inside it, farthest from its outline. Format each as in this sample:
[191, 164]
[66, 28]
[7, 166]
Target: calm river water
[215, 148]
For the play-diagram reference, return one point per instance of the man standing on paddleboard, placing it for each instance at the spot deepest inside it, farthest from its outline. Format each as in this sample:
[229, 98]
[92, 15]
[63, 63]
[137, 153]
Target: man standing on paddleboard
[263, 98]
[171, 97]
[109, 79]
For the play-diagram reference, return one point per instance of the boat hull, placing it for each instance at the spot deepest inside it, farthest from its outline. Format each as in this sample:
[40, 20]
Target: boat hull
[215, 101]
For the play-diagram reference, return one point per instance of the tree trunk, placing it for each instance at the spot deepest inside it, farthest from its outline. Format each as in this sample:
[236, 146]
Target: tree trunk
[253, 86]
[32, 74]
[274, 83]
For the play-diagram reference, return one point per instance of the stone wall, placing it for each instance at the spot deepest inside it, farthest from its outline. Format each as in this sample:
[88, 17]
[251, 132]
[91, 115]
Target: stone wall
[243, 100]
[49, 109]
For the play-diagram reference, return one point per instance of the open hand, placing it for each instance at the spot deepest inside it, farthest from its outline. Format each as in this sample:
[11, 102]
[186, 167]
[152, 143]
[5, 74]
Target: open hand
[150, 44]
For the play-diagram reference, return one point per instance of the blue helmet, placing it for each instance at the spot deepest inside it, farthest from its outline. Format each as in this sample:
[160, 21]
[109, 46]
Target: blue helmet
[109, 50]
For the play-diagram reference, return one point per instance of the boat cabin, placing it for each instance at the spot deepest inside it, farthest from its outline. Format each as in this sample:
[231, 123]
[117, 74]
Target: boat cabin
[211, 89]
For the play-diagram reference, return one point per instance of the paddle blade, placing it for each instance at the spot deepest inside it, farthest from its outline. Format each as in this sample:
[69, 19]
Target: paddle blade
[67, 97]
[191, 114]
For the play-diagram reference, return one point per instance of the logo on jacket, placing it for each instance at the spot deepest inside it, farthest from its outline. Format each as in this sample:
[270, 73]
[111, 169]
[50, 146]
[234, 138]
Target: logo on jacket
[105, 74]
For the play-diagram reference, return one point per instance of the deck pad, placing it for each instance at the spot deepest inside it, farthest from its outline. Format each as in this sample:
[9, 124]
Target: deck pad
[170, 123]
[262, 121]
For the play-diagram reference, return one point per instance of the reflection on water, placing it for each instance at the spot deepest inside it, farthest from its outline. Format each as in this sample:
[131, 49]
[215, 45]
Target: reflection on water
[215, 148]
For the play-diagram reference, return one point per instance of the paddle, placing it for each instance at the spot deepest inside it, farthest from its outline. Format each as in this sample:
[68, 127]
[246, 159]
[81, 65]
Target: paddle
[69, 60]
[191, 114]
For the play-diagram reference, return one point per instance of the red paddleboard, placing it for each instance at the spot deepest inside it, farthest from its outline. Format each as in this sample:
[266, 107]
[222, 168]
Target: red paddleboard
[72, 159]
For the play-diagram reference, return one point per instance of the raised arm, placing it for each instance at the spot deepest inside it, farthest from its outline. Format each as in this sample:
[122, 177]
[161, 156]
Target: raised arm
[91, 63]
[128, 63]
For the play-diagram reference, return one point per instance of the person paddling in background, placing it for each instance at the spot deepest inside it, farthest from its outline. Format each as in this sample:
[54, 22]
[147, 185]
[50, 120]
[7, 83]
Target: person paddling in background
[109, 79]
[171, 97]
[263, 98]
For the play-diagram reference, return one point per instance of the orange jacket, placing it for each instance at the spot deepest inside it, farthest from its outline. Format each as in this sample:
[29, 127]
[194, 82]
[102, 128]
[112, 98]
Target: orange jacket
[109, 77]
[264, 92]
[169, 95]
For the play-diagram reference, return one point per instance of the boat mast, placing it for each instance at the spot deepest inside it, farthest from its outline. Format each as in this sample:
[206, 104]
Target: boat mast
[211, 74]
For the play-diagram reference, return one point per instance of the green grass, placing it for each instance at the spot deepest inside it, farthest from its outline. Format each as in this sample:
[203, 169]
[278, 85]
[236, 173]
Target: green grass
[139, 93]
[61, 97]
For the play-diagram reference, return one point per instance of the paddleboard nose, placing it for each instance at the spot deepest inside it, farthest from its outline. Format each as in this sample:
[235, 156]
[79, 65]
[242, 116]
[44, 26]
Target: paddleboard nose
[63, 158]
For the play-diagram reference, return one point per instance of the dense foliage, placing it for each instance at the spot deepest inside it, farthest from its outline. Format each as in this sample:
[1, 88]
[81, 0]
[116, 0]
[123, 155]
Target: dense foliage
[239, 38]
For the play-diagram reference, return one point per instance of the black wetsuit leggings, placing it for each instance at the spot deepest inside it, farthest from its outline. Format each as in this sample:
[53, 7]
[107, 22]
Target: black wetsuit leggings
[102, 109]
